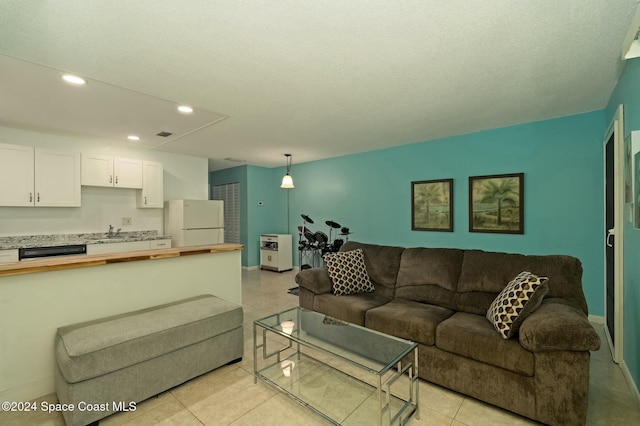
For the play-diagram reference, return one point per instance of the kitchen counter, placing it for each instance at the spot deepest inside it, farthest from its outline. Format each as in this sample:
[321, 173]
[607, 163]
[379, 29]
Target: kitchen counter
[28, 241]
[38, 296]
[70, 262]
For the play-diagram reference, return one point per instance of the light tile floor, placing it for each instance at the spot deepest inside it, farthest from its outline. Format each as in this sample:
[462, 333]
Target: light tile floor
[228, 396]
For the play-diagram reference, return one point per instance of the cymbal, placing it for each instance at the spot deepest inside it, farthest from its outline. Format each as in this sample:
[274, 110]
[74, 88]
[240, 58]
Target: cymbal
[345, 231]
[307, 218]
[332, 224]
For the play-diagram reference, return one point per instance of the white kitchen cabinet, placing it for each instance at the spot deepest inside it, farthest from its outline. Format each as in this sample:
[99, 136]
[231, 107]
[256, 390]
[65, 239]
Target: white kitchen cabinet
[8, 256]
[275, 252]
[117, 247]
[159, 244]
[127, 173]
[39, 177]
[127, 246]
[104, 170]
[16, 175]
[57, 178]
[152, 194]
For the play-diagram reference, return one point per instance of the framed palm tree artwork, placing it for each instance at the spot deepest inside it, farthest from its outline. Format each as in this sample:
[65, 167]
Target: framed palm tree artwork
[496, 203]
[432, 205]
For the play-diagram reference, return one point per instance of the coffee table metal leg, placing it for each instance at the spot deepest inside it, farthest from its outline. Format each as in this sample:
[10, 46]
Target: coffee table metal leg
[416, 383]
[379, 392]
[255, 355]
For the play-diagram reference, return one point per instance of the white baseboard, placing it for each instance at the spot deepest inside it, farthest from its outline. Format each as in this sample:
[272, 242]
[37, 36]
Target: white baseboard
[632, 385]
[596, 318]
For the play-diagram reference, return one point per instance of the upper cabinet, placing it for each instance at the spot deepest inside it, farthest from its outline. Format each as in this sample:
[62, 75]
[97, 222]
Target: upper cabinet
[38, 177]
[152, 194]
[100, 170]
[16, 175]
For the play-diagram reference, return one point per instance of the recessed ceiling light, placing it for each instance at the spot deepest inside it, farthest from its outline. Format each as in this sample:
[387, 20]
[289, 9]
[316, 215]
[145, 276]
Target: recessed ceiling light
[185, 109]
[74, 79]
[133, 138]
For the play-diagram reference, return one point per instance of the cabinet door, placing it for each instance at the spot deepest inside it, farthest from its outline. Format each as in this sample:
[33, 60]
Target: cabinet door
[269, 259]
[127, 173]
[8, 256]
[16, 175]
[57, 178]
[152, 194]
[97, 170]
[159, 244]
[117, 247]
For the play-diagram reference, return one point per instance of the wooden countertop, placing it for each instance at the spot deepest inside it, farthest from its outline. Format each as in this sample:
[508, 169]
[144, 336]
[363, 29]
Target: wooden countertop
[71, 262]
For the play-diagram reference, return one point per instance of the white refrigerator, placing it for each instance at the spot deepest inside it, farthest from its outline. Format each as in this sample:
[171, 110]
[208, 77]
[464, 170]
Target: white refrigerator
[194, 222]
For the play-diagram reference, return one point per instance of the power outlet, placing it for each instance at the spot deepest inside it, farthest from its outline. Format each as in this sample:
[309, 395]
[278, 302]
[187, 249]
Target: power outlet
[126, 221]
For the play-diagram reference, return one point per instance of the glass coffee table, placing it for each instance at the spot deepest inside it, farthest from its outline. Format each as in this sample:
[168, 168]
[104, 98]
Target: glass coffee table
[346, 373]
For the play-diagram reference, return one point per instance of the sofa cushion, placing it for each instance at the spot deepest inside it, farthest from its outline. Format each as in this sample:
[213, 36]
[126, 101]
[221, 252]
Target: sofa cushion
[382, 264]
[474, 337]
[489, 272]
[429, 275]
[348, 272]
[408, 319]
[350, 308]
[515, 302]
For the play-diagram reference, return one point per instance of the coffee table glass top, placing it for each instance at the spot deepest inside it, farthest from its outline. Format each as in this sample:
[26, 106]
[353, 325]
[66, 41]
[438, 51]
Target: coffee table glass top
[366, 348]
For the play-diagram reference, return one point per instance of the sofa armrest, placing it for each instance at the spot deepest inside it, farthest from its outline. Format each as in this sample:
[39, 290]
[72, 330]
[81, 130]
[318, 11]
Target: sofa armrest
[316, 280]
[557, 326]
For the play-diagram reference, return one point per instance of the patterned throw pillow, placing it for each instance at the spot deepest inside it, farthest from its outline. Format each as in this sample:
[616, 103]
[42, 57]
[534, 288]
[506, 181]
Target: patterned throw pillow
[515, 302]
[348, 272]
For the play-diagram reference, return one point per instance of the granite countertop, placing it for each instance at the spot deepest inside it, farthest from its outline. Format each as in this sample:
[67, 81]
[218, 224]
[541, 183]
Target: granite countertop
[28, 241]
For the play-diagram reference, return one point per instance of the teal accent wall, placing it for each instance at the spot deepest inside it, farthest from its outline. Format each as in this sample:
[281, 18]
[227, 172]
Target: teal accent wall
[270, 218]
[256, 184]
[627, 93]
[562, 161]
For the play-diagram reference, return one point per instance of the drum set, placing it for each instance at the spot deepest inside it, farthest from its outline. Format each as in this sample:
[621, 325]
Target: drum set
[313, 245]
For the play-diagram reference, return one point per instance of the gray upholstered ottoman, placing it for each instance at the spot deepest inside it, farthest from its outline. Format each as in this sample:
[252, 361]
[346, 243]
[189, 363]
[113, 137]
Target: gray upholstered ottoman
[110, 364]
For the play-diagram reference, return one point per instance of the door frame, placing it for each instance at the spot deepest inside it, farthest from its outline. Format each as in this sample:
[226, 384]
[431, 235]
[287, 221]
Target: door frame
[616, 128]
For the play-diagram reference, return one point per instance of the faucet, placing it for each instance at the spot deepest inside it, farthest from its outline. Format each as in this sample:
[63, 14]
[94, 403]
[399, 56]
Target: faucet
[110, 233]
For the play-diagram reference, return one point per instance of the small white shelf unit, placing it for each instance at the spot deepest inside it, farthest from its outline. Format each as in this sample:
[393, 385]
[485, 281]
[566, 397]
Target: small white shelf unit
[275, 252]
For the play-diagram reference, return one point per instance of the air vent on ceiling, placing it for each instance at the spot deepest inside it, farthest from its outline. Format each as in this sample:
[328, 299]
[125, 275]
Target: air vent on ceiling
[164, 134]
[235, 160]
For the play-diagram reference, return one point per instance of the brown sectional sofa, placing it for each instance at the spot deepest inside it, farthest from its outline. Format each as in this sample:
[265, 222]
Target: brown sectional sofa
[439, 297]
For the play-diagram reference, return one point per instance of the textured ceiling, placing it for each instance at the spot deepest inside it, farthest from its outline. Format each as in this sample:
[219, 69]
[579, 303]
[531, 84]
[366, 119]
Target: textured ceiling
[321, 79]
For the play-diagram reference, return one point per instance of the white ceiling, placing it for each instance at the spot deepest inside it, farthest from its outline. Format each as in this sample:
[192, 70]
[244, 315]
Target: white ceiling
[313, 78]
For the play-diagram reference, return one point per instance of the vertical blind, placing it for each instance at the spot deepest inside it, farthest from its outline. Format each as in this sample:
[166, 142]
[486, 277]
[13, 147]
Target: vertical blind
[230, 194]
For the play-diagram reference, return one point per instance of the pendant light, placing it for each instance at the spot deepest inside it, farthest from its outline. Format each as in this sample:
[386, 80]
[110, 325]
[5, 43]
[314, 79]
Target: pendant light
[287, 180]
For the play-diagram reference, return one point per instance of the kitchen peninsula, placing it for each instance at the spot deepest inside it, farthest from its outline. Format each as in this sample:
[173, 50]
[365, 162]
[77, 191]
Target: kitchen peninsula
[38, 296]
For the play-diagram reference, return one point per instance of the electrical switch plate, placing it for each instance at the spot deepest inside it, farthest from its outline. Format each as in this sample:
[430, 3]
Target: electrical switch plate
[126, 221]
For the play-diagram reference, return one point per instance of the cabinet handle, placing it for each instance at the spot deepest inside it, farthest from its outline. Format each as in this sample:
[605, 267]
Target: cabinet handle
[38, 198]
[145, 201]
[116, 179]
[110, 178]
[31, 197]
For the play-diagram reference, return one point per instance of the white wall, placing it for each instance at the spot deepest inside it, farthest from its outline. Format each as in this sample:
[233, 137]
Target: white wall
[184, 177]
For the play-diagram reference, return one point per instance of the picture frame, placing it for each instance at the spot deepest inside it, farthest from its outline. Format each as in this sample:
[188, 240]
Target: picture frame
[496, 203]
[432, 205]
